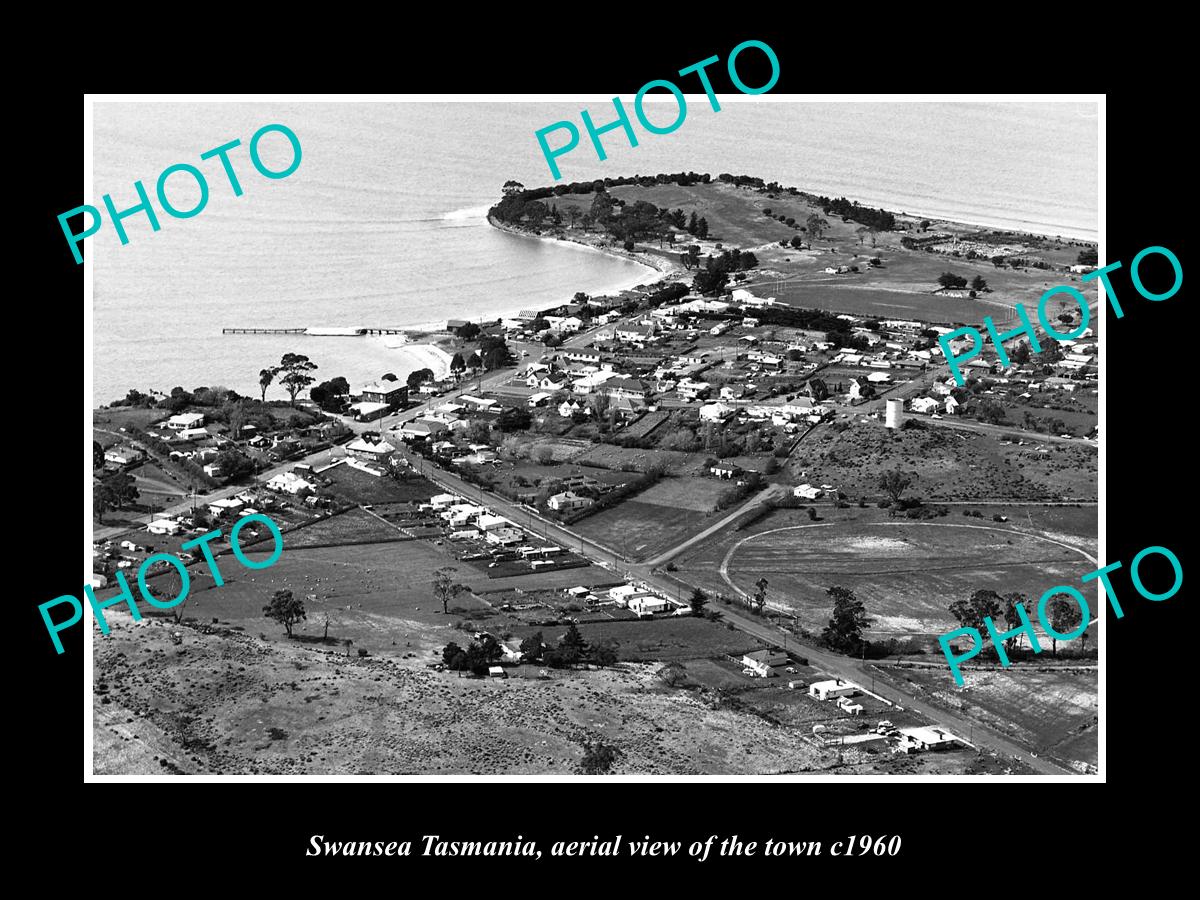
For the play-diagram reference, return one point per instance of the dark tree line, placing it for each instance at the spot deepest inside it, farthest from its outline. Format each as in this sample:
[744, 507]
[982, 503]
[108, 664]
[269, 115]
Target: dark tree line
[879, 219]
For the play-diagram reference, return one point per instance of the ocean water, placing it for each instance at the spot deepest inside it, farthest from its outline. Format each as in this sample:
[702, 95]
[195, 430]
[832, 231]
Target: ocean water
[382, 225]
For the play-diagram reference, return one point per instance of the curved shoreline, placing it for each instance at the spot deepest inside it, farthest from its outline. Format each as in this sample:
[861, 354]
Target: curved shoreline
[663, 267]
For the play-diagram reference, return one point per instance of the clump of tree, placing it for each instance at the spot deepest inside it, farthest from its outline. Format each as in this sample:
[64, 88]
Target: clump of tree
[476, 658]
[849, 620]
[234, 465]
[713, 277]
[286, 609]
[114, 492]
[332, 395]
[418, 377]
[894, 484]
[951, 281]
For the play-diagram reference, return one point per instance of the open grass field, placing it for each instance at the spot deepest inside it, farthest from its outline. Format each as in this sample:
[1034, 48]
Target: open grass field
[356, 486]
[906, 573]
[638, 530]
[354, 526]
[117, 417]
[378, 595]
[695, 494]
[1053, 712]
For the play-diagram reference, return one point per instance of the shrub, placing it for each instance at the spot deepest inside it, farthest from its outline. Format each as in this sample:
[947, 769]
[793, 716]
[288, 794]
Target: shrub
[598, 758]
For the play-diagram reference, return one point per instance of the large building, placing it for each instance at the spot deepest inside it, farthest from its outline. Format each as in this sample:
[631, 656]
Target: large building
[393, 393]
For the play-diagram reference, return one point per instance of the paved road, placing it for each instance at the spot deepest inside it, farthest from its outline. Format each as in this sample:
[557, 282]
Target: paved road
[771, 490]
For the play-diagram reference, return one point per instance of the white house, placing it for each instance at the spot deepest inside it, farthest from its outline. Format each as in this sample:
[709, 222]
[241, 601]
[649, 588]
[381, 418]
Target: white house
[482, 404]
[924, 405]
[569, 500]
[219, 508]
[122, 455]
[505, 537]
[164, 526]
[763, 662]
[715, 412]
[622, 593]
[647, 605]
[290, 483]
[442, 501]
[952, 406]
[806, 492]
[185, 420]
[489, 522]
[831, 690]
[925, 738]
[568, 408]
[422, 428]
[363, 449]
[626, 387]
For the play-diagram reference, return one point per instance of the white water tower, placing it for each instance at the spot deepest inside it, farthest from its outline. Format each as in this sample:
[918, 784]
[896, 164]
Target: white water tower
[895, 413]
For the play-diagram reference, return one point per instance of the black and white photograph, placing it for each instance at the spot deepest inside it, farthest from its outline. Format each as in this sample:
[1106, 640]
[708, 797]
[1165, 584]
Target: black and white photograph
[482, 436]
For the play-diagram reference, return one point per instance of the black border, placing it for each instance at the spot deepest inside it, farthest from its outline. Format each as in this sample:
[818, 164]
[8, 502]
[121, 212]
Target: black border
[1147, 393]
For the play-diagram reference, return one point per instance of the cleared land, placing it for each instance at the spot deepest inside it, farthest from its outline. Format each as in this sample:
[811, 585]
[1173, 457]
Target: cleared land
[1052, 711]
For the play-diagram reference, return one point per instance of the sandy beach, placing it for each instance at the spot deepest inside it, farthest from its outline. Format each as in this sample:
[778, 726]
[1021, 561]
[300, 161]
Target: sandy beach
[419, 356]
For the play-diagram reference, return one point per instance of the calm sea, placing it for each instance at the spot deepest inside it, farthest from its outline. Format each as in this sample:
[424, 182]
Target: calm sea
[382, 224]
